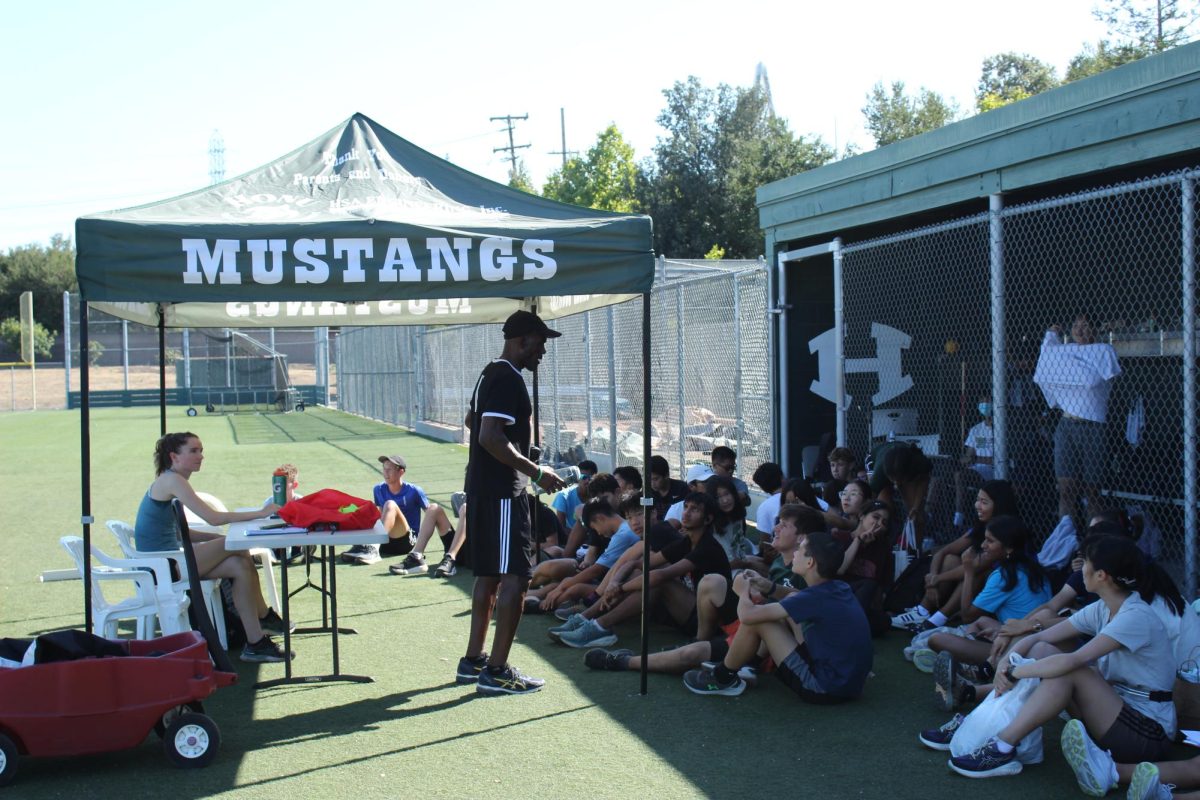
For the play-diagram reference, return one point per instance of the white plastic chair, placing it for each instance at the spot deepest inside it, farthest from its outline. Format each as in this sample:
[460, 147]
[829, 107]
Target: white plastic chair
[265, 556]
[168, 588]
[145, 605]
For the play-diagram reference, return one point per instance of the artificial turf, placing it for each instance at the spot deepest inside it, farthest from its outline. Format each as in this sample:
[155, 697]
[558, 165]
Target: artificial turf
[414, 732]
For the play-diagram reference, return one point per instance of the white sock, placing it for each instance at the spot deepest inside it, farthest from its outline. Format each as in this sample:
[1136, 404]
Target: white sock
[938, 619]
[1004, 747]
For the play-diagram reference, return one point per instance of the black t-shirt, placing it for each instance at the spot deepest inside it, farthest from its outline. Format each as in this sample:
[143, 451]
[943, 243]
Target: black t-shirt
[499, 392]
[662, 534]
[707, 557]
[677, 491]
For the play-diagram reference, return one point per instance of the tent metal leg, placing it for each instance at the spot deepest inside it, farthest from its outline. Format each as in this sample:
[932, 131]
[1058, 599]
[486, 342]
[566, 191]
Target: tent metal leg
[162, 372]
[647, 498]
[85, 458]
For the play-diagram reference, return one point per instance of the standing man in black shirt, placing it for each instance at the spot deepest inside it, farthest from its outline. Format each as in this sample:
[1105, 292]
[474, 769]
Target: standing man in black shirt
[498, 474]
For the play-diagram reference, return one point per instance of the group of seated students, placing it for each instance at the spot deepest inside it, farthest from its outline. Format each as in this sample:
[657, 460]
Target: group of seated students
[802, 592]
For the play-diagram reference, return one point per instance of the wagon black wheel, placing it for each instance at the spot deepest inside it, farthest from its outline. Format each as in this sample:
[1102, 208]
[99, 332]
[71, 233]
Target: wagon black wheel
[192, 740]
[167, 718]
[8, 760]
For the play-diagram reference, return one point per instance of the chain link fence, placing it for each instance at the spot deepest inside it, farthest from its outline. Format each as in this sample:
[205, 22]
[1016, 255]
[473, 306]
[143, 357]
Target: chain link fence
[1093, 308]
[709, 369]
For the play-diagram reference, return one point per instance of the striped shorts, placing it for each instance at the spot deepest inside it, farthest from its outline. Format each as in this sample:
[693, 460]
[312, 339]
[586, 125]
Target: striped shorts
[498, 533]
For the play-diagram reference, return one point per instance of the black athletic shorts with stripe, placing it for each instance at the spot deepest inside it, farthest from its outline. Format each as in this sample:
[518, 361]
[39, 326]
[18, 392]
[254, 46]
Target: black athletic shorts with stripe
[498, 533]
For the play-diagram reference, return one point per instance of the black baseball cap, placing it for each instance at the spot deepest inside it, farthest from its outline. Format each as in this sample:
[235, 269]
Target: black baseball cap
[525, 323]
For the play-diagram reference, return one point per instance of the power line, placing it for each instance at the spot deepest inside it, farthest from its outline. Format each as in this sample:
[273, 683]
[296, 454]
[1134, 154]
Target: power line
[512, 149]
[562, 125]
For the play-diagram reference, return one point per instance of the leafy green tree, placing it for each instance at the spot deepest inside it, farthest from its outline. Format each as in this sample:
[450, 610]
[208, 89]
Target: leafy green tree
[518, 178]
[43, 340]
[605, 178]
[719, 146]
[1009, 77]
[47, 271]
[1151, 25]
[1102, 56]
[893, 115]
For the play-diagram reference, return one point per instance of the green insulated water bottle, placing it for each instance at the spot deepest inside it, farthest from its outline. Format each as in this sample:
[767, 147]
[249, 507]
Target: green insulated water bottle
[279, 487]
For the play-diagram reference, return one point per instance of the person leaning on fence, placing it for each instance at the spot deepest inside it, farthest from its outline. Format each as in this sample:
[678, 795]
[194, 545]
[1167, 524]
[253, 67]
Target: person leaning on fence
[842, 464]
[975, 463]
[1123, 703]
[176, 457]
[818, 637]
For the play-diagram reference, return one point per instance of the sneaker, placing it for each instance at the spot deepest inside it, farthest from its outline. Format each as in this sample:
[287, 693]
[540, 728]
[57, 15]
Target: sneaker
[567, 611]
[353, 553]
[589, 634]
[705, 681]
[611, 660]
[977, 673]
[273, 623]
[913, 616]
[939, 738]
[469, 669]
[446, 568]
[987, 762]
[573, 622]
[920, 627]
[1145, 784]
[951, 686]
[456, 502]
[923, 659]
[509, 681]
[747, 673]
[265, 651]
[369, 554]
[1094, 768]
[908, 653]
[413, 564]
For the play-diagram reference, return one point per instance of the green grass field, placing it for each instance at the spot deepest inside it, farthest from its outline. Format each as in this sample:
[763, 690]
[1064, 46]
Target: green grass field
[414, 732]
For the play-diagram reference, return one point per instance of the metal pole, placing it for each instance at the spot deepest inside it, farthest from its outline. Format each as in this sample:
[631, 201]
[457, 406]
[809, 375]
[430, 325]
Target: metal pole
[839, 345]
[647, 497]
[557, 421]
[85, 458]
[612, 389]
[125, 351]
[462, 379]
[999, 357]
[679, 379]
[737, 375]
[67, 343]
[587, 376]
[1189, 385]
[162, 370]
[781, 364]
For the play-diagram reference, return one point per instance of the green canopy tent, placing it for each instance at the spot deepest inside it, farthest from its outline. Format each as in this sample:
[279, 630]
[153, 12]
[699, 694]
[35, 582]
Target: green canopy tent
[357, 227]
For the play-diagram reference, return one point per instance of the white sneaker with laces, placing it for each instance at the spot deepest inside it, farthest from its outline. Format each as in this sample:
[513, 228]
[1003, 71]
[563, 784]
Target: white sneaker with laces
[1146, 784]
[368, 555]
[913, 616]
[1094, 769]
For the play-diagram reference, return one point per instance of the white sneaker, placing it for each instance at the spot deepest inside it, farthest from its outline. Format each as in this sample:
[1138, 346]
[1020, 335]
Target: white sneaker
[368, 555]
[913, 616]
[1094, 768]
[1145, 784]
[923, 659]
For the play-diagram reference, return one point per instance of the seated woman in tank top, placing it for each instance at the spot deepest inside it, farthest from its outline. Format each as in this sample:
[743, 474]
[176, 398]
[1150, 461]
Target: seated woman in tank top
[176, 457]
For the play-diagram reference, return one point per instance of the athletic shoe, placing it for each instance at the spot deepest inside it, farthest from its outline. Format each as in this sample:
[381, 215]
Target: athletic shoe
[353, 553]
[575, 621]
[1094, 768]
[923, 659]
[413, 564]
[920, 627]
[913, 616]
[273, 623]
[705, 681]
[470, 668]
[987, 762]
[611, 660]
[533, 605]
[977, 673]
[369, 554]
[456, 501]
[508, 681]
[265, 651]
[939, 738]
[951, 686]
[747, 673]
[908, 653]
[446, 568]
[565, 612]
[1146, 785]
[589, 634]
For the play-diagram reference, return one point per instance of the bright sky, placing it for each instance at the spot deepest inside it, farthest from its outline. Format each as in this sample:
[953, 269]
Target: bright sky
[112, 104]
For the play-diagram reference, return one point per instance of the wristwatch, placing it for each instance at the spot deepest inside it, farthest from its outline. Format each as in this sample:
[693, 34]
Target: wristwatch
[1038, 627]
[1008, 673]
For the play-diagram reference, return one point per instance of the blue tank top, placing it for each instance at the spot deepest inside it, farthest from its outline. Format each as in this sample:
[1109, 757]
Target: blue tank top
[155, 527]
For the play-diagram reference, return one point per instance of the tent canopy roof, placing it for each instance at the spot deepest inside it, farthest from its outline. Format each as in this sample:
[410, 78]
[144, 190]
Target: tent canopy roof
[358, 227]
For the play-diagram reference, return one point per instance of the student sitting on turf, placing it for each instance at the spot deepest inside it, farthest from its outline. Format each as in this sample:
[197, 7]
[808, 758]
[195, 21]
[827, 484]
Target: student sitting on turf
[1098, 774]
[628, 480]
[676, 570]
[818, 637]
[1123, 701]
[793, 523]
[602, 520]
[867, 563]
[697, 476]
[567, 502]
[602, 485]
[730, 524]
[664, 490]
[943, 584]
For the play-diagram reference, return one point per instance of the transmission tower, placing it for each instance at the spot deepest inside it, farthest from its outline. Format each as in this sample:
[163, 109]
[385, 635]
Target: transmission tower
[216, 158]
[512, 149]
[763, 84]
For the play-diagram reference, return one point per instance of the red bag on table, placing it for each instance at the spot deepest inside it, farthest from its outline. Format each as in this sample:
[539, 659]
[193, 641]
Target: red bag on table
[330, 509]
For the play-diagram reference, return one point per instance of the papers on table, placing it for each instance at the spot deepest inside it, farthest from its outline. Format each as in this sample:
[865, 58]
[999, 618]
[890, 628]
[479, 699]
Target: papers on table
[290, 529]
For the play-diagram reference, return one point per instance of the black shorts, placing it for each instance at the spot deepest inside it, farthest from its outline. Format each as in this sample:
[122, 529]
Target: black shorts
[1135, 737]
[401, 545]
[498, 534]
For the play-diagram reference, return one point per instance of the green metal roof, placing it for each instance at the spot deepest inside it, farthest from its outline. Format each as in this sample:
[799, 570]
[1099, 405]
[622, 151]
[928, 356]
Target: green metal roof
[1146, 110]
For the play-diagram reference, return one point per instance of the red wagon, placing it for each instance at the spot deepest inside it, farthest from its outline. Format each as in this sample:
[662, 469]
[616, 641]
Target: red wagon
[98, 705]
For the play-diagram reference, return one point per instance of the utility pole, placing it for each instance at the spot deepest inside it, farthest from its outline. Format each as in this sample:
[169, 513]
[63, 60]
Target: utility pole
[216, 157]
[512, 149]
[562, 125]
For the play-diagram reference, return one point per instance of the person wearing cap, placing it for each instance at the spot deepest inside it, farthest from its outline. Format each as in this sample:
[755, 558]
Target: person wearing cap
[400, 507]
[696, 476]
[498, 474]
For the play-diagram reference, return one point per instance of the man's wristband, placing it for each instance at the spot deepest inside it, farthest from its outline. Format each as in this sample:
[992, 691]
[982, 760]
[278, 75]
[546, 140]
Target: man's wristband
[538, 476]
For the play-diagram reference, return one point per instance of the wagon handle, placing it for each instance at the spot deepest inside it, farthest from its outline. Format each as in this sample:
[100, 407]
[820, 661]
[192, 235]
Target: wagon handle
[219, 656]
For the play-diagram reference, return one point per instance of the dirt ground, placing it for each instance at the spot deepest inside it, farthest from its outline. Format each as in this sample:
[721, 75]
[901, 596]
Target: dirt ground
[17, 386]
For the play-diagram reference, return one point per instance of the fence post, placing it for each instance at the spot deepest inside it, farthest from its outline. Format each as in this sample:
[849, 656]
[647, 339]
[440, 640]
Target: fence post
[66, 345]
[554, 401]
[999, 358]
[612, 387]
[587, 374]
[125, 351]
[1189, 384]
[679, 378]
[462, 379]
[737, 348]
[187, 362]
[839, 346]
